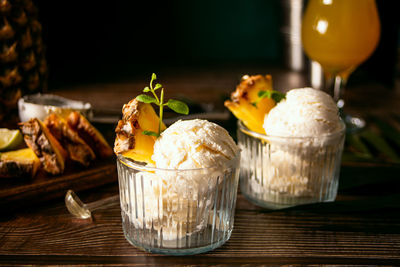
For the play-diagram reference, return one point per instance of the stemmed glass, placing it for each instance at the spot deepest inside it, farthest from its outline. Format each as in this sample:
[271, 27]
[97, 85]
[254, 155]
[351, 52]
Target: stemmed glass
[340, 35]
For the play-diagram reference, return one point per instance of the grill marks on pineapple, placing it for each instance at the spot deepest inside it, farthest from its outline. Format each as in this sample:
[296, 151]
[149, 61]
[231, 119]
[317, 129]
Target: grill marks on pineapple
[124, 136]
[130, 140]
[89, 134]
[77, 149]
[18, 163]
[44, 145]
[244, 97]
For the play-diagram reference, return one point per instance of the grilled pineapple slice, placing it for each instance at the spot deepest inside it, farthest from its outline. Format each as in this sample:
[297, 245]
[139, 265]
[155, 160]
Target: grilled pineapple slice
[89, 134]
[46, 147]
[130, 140]
[77, 149]
[19, 163]
[247, 106]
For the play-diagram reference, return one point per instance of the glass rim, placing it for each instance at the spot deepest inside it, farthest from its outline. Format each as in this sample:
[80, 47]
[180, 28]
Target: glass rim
[138, 166]
[251, 133]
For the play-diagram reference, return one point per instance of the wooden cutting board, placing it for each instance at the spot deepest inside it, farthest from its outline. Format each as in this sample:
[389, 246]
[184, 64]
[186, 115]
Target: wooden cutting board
[22, 192]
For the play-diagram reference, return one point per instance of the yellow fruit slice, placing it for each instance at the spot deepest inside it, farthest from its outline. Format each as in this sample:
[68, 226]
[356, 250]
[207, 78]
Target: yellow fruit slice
[46, 147]
[10, 139]
[247, 106]
[18, 163]
[130, 140]
[78, 150]
[89, 134]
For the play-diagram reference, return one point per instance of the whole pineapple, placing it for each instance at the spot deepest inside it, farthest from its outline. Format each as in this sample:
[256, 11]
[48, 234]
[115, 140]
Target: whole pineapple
[22, 57]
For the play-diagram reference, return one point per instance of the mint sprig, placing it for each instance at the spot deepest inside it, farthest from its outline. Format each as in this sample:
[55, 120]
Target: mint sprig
[175, 105]
[274, 95]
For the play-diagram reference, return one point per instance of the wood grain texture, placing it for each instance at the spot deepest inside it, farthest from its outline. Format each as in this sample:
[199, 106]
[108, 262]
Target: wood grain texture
[321, 233]
[22, 192]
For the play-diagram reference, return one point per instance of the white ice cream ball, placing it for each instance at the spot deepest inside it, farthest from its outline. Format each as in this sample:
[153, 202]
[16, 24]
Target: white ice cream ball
[193, 144]
[306, 112]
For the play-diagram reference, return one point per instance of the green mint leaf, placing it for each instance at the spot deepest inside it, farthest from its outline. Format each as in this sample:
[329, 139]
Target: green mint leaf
[158, 86]
[275, 95]
[150, 133]
[278, 96]
[264, 94]
[178, 106]
[153, 76]
[146, 89]
[146, 99]
[254, 104]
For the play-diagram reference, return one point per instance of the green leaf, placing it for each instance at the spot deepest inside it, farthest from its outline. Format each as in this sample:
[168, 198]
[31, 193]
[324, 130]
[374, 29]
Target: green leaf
[264, 94]
[154, 76]
[357, 144]
[158, 86]
[275, 95]
[146, 89]
[146, 99]
[381, 145]
[178, 106]
[150, 133]
[278, 96]
[387, 130]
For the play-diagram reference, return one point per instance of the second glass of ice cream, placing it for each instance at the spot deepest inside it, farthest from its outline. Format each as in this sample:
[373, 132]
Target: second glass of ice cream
[181, 198]
[298, 160]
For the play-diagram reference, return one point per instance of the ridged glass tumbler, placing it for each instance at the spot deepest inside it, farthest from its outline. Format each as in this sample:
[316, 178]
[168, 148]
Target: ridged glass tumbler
[177, 212]
[278, 172]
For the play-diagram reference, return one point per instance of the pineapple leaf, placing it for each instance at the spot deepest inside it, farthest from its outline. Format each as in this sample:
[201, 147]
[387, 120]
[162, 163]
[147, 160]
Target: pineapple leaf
[178, 106]
[146, 99]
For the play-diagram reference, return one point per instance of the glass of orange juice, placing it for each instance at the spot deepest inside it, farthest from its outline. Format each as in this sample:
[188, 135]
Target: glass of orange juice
[340, 35]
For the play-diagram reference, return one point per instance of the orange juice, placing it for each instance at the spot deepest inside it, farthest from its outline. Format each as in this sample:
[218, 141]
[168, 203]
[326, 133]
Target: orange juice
[340, 34]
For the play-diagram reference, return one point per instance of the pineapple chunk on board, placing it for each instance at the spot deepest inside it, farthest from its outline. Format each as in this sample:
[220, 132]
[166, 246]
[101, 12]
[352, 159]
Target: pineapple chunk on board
[77, 149]
[89, 134]
[46, 147]
[19, 163]
[130, 140]
[243, 99]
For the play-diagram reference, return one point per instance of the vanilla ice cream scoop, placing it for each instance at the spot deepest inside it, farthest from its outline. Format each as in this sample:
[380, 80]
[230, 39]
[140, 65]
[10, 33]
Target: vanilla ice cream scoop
[193, 144]
[304, 112]
[191, 159]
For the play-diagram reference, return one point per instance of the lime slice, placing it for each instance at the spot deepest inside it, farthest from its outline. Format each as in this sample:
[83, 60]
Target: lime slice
[10, 139]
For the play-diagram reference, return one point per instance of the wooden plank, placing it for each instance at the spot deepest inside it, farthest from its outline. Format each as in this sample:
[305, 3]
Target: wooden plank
[357, 228]
[18, 192]
[282, 236]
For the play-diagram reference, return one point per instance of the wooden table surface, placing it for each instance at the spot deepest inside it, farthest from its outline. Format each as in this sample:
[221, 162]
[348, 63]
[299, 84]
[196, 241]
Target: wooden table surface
[361, 227]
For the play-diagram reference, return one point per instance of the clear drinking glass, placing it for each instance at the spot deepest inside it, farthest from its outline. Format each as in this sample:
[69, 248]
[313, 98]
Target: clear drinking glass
[279, 172]
[177, 212]
[340, 35]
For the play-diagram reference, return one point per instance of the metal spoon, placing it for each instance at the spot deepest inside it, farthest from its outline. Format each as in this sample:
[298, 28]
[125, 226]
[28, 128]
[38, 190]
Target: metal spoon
[84, 211]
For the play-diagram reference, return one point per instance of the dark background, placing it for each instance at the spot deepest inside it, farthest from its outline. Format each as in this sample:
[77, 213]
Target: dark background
[93, 41]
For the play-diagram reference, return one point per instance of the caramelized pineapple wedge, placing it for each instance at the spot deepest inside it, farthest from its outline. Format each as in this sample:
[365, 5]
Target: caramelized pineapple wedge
[247, 106]
[89, 134]
[130, 140]
[77, 149]
[19, 163]
[46, 147]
